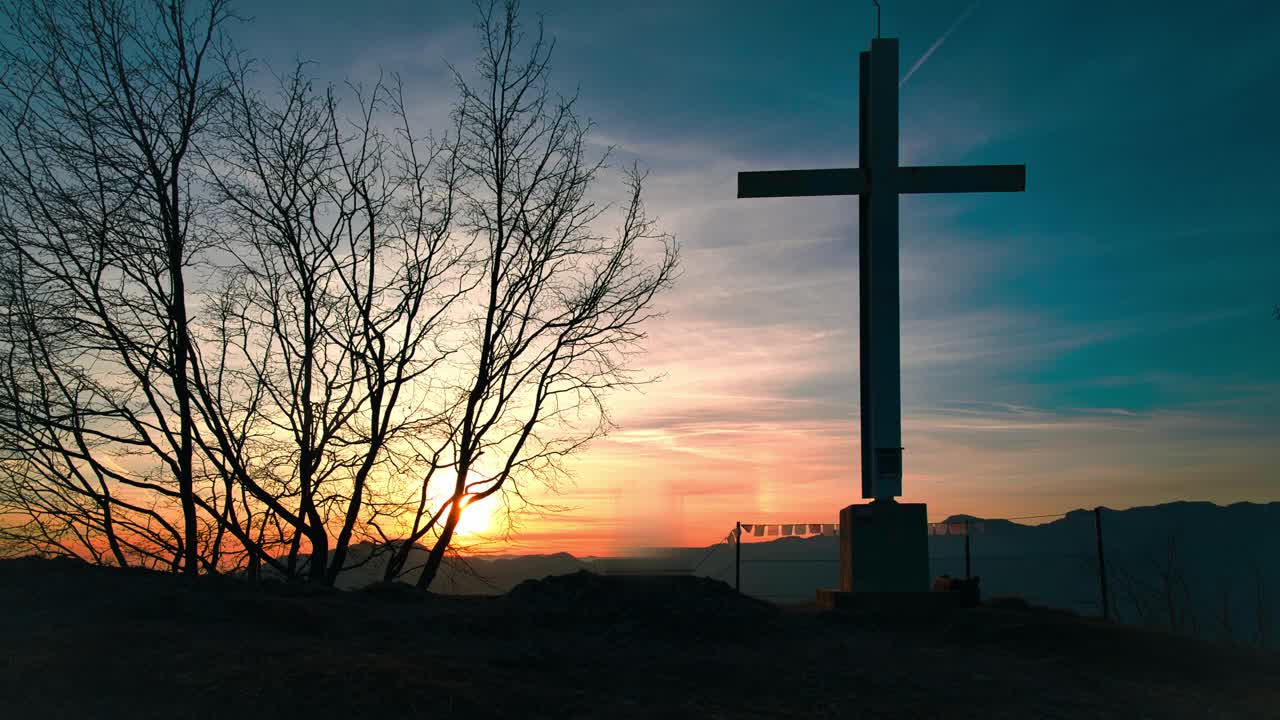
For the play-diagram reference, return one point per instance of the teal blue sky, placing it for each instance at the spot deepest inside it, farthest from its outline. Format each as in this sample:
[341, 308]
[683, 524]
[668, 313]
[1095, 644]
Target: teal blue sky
[1106, 337]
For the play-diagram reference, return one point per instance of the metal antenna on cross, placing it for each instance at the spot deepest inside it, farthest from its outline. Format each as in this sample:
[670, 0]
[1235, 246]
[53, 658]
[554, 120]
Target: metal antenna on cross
[877, 4]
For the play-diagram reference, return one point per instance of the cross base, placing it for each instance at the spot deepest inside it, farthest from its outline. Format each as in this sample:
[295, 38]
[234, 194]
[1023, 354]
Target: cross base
[884, 548]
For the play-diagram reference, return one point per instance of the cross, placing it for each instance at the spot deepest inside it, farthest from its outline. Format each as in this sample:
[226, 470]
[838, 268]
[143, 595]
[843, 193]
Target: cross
[877, 183]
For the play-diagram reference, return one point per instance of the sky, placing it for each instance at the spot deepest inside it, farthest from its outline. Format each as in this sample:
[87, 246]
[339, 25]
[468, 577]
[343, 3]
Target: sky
[1105, 338]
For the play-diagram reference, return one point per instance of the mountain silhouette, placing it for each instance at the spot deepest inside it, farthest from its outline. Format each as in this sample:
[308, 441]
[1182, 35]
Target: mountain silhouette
[1193, 567]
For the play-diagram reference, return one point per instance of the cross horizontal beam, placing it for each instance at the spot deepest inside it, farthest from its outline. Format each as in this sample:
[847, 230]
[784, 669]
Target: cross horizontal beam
[800, 183]
[853, 181]
[962, 178]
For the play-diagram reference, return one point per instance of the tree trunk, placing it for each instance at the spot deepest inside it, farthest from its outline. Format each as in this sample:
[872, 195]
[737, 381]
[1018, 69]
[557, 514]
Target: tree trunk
[436, 555]
[181, 347]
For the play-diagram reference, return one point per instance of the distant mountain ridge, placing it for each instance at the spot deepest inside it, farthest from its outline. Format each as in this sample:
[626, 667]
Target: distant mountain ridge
[1195, 567]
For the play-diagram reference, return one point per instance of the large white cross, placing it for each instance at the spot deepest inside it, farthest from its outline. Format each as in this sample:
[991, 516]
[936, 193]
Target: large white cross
[877, 183]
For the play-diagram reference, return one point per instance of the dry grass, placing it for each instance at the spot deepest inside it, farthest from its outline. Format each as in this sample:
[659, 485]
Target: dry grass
[79, 641]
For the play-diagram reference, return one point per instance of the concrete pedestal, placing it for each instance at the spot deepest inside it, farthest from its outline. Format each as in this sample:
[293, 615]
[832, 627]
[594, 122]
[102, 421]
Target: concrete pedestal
[884, 549]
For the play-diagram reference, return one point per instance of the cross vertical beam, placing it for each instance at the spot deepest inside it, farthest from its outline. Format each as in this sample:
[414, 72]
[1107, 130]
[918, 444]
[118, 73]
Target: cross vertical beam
[877, 182]
[879, 294]
[864, 283]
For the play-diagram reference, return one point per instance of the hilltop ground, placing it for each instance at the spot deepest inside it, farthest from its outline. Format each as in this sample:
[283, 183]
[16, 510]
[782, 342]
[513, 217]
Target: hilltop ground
[81, 641]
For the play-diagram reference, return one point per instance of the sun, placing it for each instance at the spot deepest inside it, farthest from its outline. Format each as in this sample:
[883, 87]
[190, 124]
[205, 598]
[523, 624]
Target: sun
[477, 518]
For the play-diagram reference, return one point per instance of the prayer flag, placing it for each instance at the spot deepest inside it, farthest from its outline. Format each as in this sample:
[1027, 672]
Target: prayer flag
[786, 529]
[759, 531]
[746, 528]
[815, 529]
[773, 529]
[829, 529]
[956, 528]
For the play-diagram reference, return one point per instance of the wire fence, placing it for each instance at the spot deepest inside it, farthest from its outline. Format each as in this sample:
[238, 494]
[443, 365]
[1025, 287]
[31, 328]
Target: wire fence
[1186, 567]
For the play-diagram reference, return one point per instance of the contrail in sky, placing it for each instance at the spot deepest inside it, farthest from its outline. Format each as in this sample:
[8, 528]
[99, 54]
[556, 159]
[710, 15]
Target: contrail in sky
[938, 43]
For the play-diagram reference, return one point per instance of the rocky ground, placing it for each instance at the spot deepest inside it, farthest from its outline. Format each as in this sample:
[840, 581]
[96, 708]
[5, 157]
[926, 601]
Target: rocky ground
[87, 642]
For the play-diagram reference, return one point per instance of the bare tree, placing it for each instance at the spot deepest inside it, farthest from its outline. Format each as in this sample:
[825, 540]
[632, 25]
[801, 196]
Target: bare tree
[339, 297]
[392, 326]
[1133, 598]
[1262, 604]
[1175, 590]
[1155, 588]
[101, 102]
[1226, 628]
[560, 305]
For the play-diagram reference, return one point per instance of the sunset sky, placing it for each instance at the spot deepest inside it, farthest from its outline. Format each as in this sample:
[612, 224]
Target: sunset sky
[1105, 338]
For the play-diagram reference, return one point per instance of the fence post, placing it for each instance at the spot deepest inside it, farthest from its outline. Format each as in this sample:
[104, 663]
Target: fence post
[968, 574]
[1102, 565]
[737, 557]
